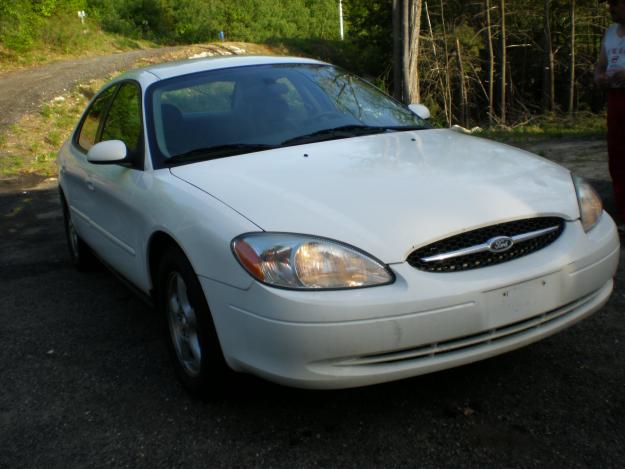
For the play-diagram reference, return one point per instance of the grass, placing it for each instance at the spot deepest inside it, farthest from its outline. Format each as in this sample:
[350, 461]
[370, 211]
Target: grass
[65, 39]
[31, 145]
[584, 125]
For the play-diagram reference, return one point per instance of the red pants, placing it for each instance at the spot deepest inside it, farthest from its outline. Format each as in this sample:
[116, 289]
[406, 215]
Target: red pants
[616, 147]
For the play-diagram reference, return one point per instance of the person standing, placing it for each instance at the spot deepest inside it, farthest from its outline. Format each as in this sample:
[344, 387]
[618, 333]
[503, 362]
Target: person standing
[610, 75]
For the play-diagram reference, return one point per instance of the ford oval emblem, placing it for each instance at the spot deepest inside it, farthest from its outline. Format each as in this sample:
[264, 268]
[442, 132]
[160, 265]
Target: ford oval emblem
[500, 244]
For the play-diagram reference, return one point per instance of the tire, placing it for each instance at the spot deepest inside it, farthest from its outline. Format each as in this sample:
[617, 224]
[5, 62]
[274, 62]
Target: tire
[80, 254]
[189, 329]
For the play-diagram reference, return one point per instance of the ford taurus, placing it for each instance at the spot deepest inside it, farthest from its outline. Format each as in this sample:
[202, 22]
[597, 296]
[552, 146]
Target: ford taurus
[289, 220]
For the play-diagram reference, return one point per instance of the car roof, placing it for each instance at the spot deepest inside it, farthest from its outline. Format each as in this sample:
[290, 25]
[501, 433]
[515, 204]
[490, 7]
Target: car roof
[185, 67]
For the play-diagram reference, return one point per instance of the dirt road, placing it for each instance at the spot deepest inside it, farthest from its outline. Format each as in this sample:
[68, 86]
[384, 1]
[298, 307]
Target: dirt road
[23, 91]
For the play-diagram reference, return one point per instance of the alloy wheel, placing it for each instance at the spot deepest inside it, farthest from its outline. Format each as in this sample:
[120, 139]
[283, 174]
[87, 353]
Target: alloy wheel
[183, 325]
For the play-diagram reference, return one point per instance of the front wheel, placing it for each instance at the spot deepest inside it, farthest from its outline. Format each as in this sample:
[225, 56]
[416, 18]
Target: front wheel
[190, 332]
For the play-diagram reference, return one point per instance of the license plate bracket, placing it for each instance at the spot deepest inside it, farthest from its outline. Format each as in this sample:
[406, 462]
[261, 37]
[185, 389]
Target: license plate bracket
[523, 300]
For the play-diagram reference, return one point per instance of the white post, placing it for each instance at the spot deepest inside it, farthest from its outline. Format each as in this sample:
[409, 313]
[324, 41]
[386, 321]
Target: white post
[341, 18]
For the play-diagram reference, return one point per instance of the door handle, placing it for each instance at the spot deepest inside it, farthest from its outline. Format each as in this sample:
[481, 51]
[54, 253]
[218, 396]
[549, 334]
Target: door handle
[90, 185]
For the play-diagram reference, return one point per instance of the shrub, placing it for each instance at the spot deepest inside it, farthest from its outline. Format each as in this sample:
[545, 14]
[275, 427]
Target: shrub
[25, 25]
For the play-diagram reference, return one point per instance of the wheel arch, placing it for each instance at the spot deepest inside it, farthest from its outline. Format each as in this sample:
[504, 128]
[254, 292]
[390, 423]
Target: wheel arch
[63, 198]
[165, 252]
[158, 244]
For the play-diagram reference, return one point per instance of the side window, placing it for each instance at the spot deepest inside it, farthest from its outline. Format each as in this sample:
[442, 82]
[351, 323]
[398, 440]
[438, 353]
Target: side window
[89, 129]
[123, 121]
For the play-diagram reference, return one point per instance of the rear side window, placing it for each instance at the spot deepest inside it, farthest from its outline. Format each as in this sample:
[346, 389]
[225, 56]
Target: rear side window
[123, 120]
[89, 129]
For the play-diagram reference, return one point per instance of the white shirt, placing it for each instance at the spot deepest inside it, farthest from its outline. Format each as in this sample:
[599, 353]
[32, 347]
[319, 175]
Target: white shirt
[614, 47]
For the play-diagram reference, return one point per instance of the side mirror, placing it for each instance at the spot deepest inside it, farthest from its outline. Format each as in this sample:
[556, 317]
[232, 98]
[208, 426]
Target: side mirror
[420, 110]
[107, 152]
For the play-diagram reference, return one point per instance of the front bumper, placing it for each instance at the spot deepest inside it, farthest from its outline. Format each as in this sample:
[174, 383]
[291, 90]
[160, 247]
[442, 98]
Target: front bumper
[422, 323]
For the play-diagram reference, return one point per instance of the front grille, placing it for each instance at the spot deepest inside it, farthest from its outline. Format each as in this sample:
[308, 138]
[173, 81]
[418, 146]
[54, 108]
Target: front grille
[471, 239]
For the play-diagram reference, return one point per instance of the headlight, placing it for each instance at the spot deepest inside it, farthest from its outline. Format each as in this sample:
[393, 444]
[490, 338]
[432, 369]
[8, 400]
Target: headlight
[590, 206]
[307, 262]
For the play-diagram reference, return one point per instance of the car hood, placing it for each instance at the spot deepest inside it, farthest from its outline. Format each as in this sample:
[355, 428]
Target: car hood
[387, 193]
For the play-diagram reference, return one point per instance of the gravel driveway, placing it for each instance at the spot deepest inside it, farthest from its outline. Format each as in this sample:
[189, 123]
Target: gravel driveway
[85, 380]
[23, 91]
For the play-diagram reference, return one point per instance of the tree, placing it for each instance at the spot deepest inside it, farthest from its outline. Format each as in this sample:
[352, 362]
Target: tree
[572, 62]
[406, 33]
[504, 62]
[398, 58]
[491, 64]
[548, 61]
[534, 57]
[414, 32]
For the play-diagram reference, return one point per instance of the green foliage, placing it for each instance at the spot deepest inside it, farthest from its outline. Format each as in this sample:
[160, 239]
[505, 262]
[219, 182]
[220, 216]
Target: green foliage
[17, 24]
[26, 24]
[444, 83]
[54, 138]
[173, 21]
[44, 7]
[11, 165]
[46, 111]
[582, 126]
[195, 21]
[30, 146]
[369, 30]
[451, 78]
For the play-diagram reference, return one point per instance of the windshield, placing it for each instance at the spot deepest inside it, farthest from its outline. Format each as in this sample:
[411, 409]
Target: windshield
[239, 110]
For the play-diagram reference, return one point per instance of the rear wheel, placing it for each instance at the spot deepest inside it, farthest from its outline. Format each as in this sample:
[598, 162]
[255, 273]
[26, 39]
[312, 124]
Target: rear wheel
[190, 332]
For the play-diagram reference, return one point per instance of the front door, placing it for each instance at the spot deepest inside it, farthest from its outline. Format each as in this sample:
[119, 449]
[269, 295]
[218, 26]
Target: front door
[114, 211]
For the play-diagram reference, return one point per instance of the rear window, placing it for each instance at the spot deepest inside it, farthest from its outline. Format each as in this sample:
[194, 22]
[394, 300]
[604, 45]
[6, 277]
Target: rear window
[204, 97]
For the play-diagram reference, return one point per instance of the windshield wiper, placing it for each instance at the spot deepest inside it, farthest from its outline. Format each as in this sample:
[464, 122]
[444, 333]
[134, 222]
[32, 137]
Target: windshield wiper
[217, 151]
[345, 131]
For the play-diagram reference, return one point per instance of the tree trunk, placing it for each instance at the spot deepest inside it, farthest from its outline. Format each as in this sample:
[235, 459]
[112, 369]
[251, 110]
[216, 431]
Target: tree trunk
[413, 62]
[572, 63]
[502, 98]
[397, 50]
[405, 65]
[548, 61]
[463, 90]
[410, 13]
[447, 71]
[437, 64]
[491, 65]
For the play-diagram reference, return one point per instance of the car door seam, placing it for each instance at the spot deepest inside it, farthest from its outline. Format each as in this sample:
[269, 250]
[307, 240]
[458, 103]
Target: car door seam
[104, 232]
[218, 199]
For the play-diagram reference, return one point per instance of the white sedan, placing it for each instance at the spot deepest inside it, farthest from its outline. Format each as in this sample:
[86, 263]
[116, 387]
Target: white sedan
[290, 220]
